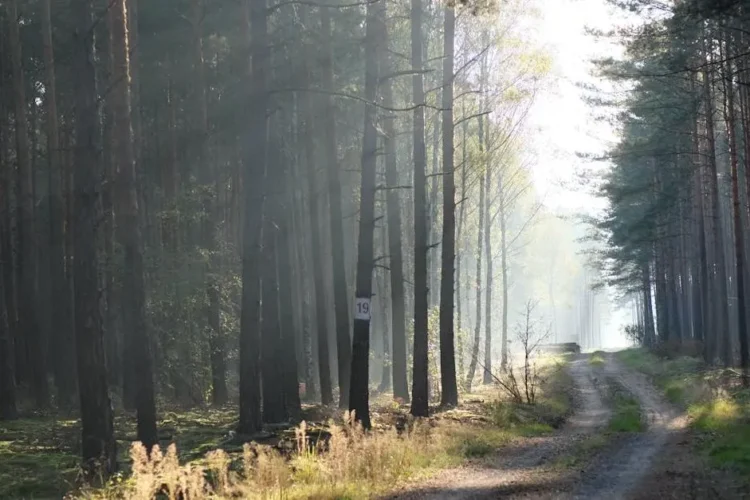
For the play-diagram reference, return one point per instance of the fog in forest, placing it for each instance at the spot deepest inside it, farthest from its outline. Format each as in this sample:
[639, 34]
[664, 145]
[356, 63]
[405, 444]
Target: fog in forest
[296, 234]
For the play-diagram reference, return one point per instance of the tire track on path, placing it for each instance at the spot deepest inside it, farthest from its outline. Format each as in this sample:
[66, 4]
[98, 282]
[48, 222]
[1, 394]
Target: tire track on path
[622, 471]
[516, 468]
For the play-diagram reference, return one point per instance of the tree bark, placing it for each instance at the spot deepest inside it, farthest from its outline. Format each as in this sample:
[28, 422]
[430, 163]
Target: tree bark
[253, 175]
[316, 204]
[395, 251]
[29, 326]
[8, 410]
[459, 240]
[739, 234]
[720, 275]
[420, 401]
[97, 438]
[487, 372]
[133, 301]
[206, 178]
[359, 397]
[447, 274]
[341, 304]
[63, 341]
[480, 232]
[506, 286]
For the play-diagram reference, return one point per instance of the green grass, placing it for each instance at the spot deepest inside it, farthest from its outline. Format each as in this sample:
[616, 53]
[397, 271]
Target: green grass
[718, 412]
[584, 450]
[39, 456]
[676, 377]
[597, 358]
[626, 417]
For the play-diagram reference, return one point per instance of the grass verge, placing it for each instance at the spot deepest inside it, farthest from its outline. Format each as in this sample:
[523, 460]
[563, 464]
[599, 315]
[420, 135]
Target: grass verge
[626, 412]
[325, 460]
[597, 358]
[719, 409]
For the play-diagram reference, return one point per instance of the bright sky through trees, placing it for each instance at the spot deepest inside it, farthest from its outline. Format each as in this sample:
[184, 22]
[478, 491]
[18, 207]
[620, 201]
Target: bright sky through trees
[565, 125]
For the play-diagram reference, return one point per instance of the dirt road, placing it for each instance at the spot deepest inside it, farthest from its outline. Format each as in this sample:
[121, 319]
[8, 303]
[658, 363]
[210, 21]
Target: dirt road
[632, 466]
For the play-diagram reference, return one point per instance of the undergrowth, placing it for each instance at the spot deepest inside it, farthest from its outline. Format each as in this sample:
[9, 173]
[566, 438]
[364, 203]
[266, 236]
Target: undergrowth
[351, 463]
[332, 458]
[718, 408]
[326, 458]
[597, 358]
[626, 413]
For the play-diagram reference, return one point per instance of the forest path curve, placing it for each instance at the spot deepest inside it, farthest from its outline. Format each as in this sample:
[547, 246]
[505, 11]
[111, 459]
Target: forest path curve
[516, 468]
[621, 472]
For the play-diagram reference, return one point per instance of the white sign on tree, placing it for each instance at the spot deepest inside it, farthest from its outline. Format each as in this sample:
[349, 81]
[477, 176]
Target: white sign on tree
[362, 308]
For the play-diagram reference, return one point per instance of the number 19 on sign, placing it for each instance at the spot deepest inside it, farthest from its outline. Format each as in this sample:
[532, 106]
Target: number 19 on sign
[362, 308]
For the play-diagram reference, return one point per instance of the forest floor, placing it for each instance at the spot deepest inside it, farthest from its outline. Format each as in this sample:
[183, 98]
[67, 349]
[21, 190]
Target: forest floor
[623, 425]
[39, 453]
[636, 434]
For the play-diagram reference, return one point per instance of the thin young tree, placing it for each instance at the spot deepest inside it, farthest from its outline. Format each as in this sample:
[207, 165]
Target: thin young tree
[395, 251]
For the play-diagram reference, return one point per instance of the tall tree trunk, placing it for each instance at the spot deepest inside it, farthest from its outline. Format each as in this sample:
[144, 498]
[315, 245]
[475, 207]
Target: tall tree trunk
[506, 286]
[8, 409]
[315, 208]
[29, 326]
[7, 380]
[133, 301]
[206, 178]
[274, 410]
[120, 371]
[253, 175]
[433, 295]
[420, 396]
[359, 397]
[739, 234]
[487, 372]
[701, 279]
[721, 273]
[480, 232]
[63, 341]
[341, 304]
[459, 240]
[649, 333]
[395, 251]
[447, 276]
[97, 436]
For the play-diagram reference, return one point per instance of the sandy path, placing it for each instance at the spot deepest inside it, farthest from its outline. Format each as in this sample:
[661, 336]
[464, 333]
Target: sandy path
[516, 469]
[628, 469]
[622, 470]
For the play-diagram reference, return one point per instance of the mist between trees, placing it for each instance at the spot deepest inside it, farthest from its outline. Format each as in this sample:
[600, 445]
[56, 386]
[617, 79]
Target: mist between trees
[257, 204]
[674, 237]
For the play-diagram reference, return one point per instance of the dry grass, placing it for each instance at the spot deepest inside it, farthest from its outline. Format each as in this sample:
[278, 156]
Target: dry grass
[352, 463]
[340, 460]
